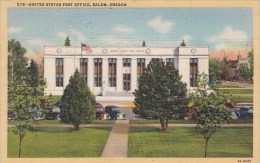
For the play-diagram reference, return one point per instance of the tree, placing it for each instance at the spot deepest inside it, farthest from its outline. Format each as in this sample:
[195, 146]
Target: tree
[251, 64]
[210, 110]
[67, 41]
[183, 43]
[244, 73]
[77, 102]
[143, 45]
[17, 62]
[33, 79]
[160, 93]
[21, 101]
[214, 70]
[226, 72]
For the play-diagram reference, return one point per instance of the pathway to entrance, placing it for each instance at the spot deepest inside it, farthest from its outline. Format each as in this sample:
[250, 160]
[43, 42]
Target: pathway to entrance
[117, 143]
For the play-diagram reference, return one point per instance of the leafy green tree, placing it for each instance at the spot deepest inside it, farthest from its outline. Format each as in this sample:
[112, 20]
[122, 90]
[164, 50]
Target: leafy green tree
[214, 69]
[226, 72]
[77, 102]
[17, 62]
[160, 93]
[33, 79]
[67, 41]
[251, 64]
[183, 43]
[210, 112]
[244, 73]
[21, 101]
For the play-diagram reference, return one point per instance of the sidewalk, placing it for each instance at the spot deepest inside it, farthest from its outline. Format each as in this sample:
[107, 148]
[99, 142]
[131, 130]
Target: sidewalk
[117, 143]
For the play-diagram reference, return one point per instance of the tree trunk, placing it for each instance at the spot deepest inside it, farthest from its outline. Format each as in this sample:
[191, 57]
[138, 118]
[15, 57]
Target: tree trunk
[206, 148]
[20, 143]
[76, 127]
[164, 124]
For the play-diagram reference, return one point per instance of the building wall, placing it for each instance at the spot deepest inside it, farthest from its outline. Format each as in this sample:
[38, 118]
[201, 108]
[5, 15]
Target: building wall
[72, 55]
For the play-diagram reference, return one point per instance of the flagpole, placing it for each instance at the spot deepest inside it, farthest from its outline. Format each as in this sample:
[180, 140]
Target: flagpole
[80, 61]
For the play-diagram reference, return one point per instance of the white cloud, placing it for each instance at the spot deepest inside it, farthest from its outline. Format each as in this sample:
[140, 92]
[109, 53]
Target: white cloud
[160, 25]
[122, 29]
[112, 40]
[229, 38]
[72, 34]
[15, 29]
[37, 42]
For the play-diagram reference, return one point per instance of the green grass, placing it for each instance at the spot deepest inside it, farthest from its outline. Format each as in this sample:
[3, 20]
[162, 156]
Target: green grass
[238, 91]
[60, 142]
[12, 122]
[242, 99]
[54, 98]
[180, 121]
[227, 86]
[185, 142]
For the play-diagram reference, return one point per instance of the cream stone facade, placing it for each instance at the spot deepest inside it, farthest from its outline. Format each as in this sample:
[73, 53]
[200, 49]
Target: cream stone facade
[64, 61]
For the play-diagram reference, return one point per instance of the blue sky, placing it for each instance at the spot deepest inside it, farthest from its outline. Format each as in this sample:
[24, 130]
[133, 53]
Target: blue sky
[218, 28]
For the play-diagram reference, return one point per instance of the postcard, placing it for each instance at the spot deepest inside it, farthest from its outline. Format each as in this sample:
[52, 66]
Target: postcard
[129, 81]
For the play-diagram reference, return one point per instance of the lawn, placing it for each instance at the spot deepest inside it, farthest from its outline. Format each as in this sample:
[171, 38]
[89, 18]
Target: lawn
[242, 99]
[181, 121]
[185, 142]
[11, 122]
[60, 142]
[238, 91]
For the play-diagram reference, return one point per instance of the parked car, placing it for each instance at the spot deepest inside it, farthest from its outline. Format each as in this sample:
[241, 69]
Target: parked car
[99, 105]
[109, 108]
[36, 114]
[245, 112]
[101, 114]
[114, 112]
[11, 115]
[54, 114]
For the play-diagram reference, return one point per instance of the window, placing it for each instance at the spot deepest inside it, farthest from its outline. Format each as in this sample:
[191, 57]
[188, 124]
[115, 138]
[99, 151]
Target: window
[127, 82]
[156, 60]
[59, 72]
[112, 72]
[140, 68]
[193, 72]
[84, 68]
[127, 62]
[98, 72]
[170, 62]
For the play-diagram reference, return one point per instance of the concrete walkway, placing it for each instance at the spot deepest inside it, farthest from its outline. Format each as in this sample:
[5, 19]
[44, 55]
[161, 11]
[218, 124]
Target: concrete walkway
[117, 143]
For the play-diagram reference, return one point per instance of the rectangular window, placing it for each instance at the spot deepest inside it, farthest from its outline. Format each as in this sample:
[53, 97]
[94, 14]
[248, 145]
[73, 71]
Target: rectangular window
[127, 82]
[156, 60]
[140, 68]
[59, 72]
[112, 72]
[170, 62]
[98, 72]
[193, 71]
[84, 68]
[127, 62]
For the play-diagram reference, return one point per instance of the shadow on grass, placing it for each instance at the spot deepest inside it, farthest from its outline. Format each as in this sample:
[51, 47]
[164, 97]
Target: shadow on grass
[54, 130]
[68, 129]
[99, 128]
[144, 129]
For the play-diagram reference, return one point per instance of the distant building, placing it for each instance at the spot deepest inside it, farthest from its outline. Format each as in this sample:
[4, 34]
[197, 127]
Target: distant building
[117, 69]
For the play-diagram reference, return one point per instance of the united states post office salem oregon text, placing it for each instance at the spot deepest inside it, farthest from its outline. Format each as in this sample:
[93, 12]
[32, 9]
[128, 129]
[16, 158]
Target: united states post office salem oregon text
[117, 69]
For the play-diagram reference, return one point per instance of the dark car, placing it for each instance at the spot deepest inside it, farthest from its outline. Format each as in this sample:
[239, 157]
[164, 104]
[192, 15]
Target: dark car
[101, 114]
[113, 111]
[245, 112]
[99, 105]
[109, 108]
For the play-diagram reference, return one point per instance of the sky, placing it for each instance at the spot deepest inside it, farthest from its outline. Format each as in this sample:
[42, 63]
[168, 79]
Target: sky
[220, 29]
